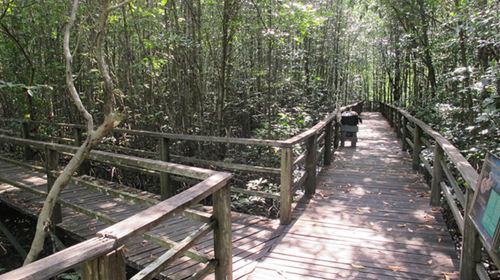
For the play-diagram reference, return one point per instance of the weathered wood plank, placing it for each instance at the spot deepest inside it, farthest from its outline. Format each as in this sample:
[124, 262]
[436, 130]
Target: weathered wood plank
[63, 260]
[370, 219]
[450, 199]
[152, 216]
[112, 158]
[437, 176]
[311, 162]
[163, 261]
[286, 185]
[466, 170]
[222, 235]
[453, 182]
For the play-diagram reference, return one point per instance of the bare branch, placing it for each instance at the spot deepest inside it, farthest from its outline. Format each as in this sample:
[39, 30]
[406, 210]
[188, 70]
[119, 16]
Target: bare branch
[110, 9]
[101, 58]
[44, 222]
[69, 72]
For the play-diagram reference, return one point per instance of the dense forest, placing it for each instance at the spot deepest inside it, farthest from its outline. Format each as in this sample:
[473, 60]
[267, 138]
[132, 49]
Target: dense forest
[259, 68]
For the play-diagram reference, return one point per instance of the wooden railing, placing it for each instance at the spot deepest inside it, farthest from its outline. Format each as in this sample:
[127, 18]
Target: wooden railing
[453, 179]
[101, 257]
[296, 171]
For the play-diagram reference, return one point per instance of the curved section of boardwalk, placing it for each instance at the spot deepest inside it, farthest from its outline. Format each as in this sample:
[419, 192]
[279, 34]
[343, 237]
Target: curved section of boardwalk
[92, 211]
[370, 219]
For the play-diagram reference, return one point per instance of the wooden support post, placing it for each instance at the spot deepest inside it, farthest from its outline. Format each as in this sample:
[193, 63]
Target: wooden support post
[336, 134]
[417, 147]
[389, 115]
[393, 113]
[78, 136]
[28, 152]
[166, 188]
[286, 188]
[404, 145]
[108, 267]
[222, 234]
[398, 124]
[471, 245]
[327, 160]
[437, 176]
[310, 162]
[52, 163]
[388, 112]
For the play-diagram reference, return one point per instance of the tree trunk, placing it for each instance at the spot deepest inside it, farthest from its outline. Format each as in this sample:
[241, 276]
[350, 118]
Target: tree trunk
[94, 136]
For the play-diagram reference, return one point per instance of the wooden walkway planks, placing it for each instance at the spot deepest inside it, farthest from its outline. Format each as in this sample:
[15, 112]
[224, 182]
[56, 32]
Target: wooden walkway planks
[252, 235]
[370, 219]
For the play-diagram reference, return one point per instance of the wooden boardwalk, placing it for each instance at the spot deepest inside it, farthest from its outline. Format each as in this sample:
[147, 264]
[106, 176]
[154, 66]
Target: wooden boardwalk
[370, 219]
[252, 235]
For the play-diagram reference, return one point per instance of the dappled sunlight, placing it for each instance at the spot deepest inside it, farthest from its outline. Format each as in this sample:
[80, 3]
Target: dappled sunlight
[369, 219]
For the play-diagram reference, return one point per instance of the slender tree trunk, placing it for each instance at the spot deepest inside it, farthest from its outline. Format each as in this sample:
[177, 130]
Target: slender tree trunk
[44, 223]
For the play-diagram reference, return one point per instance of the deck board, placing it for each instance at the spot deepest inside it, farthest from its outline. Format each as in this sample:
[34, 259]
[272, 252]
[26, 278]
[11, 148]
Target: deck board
[252, 235]
[370, 219]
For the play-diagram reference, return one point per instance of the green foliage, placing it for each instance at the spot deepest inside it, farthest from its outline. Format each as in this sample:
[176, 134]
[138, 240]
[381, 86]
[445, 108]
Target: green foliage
[69, 276]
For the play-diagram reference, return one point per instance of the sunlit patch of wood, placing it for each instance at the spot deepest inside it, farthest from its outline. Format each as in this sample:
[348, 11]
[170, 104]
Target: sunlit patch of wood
[370, 219]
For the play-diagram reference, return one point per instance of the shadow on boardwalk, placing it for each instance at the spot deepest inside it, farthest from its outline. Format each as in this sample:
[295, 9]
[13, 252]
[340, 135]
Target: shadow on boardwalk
[370, 219]
[252, 237]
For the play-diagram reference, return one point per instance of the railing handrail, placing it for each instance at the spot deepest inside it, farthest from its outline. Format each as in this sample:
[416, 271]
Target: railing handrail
[468, 172]
[108, 157]
[112, 237]
[216, 139]
[445, 182]
[322, 132]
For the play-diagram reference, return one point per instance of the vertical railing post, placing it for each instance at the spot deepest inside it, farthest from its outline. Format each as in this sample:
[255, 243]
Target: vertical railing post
[222, 234]
[336, 136]
[471, 245]
[111, 266]
[286, 188]
[398, 124]
[437, 176]
[390, 117]
[327, 159]
[51, 164]
[28, 152]
[417, 147]
[166, 188]
[395, 118]
[310, 166]
[78, 136]
[404, 145]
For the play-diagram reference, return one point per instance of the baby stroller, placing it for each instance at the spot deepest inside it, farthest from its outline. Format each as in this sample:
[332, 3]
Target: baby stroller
[349, 127]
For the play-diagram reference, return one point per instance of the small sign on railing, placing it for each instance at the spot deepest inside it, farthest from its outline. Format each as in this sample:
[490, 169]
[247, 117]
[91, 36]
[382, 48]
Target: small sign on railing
[485, 212]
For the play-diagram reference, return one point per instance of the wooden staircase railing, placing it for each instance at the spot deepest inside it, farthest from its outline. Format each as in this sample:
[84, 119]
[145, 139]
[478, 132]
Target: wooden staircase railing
[416, 136]
[296, 171]
[102, 257]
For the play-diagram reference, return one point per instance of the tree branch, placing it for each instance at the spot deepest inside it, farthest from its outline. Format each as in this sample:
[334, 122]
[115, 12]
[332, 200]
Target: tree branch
[44, 222]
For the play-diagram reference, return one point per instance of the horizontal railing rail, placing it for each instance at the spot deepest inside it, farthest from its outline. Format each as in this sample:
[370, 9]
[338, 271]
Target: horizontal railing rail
[103, 254]
[447, 168]
[295, 171]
